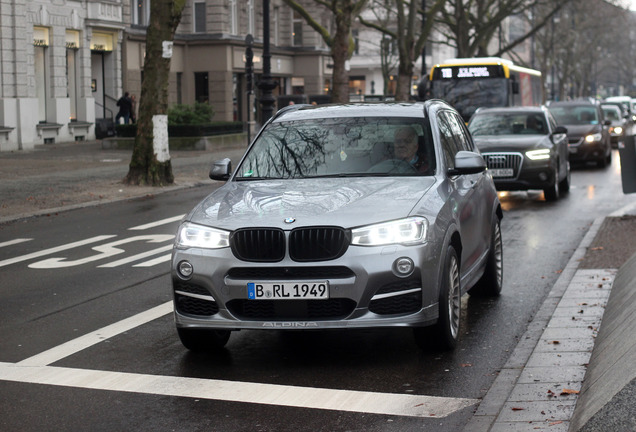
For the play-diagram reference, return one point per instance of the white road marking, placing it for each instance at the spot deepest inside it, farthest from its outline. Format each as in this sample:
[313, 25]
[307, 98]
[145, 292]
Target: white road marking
[140, 256]
[54, 250]
[14, 241]
[76, 345]
[158, 223]
[154, 262]
[235, 391]
[104, 251]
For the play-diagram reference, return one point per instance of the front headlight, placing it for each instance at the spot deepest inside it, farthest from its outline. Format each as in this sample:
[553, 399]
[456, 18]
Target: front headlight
[404, 231]
[540, 154]
[593, 137]
[193, 235]
[618, 130]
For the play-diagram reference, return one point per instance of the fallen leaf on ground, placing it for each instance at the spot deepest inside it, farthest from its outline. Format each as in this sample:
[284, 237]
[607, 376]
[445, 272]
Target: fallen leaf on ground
[569, 391]
[597, 248]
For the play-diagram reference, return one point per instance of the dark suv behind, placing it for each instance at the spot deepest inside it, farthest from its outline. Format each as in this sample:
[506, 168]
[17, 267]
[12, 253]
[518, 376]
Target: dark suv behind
[588, 131]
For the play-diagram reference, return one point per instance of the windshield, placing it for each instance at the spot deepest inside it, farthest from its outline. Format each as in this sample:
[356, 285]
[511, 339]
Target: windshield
[612, 113]
[337, 147]
[498, 123]
[469, 94]
[575, 115]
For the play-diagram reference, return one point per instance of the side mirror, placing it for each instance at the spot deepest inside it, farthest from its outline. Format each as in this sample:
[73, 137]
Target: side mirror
[560, 130]
[221, 169]
[467, 163]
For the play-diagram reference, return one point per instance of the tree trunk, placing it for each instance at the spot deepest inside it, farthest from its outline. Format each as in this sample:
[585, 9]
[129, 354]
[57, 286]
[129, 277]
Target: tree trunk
[340, 54]
[147, 167]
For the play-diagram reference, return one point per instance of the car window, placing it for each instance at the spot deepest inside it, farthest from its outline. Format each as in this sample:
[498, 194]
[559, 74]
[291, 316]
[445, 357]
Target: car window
[551, 121]
[576, 114]
[611, 113]
[503, 123]
[449, 146]
[464, 142]
[355, 146]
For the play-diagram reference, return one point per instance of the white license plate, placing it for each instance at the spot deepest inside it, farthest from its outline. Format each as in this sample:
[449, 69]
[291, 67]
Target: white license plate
[502, 172]
[314, 290]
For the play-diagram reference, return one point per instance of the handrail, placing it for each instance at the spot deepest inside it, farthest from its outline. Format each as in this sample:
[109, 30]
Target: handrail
[105, 108]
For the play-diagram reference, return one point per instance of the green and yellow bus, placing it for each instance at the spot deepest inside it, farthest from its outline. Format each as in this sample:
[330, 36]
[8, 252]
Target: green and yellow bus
[471, 83]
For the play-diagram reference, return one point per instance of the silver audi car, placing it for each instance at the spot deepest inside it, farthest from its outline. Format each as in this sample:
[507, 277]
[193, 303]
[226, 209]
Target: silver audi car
[342, 216]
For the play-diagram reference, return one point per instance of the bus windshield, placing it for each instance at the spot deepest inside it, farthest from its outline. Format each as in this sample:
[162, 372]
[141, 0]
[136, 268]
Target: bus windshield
[466, 95]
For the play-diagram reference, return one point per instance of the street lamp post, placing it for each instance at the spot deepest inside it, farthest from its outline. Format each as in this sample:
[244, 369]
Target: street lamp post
[266, 84]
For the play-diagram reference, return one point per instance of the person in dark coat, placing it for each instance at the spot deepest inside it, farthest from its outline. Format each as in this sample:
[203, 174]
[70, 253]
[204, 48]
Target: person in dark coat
[125, 107]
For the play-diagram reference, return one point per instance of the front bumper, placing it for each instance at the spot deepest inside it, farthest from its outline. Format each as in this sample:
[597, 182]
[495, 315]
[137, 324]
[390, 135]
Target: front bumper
[581, 151]
[364, 291]
[513, 171]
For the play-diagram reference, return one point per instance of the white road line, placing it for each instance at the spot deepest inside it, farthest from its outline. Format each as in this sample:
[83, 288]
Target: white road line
[14, 241]
[76, 345]
[234, 391]
[54, 250]
[158, 223]
[138, 257]
[154, 262]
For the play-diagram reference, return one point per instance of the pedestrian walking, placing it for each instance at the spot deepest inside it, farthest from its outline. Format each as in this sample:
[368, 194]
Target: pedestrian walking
[125, 107]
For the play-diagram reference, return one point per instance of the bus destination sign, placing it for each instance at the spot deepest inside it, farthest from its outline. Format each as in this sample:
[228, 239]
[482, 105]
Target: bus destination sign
[468, 72]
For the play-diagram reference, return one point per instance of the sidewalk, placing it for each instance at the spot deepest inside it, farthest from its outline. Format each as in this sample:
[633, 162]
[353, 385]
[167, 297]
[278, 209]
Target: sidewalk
[53, 177]
[557, 379]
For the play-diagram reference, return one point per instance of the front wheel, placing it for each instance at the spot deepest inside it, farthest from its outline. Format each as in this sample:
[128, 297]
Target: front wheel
[552, 193]
[491, 282]
[203, 340]
[446, 331]
[564, 185]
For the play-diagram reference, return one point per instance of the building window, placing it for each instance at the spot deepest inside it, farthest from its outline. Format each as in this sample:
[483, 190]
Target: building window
[199, 17]
[250, 17]
[72, 45]
[234, 13]
[179, 88]
[71, 80]
[297, 32]
[40, 81]
[356, 41]
[276, 23]
[141, 12]
[201, 89]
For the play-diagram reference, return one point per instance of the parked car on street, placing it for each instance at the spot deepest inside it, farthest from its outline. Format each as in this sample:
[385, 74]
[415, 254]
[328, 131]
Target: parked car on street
[588, 132]
[618, 125]
[524, 149]
[342, 216]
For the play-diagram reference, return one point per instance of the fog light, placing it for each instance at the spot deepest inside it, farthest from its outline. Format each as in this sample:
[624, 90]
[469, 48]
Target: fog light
[403, 267]
[185, 269]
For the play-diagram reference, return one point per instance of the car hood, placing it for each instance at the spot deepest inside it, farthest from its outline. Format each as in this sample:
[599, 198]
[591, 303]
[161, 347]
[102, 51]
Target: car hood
[581, 130]
[499, 143]
[346, 202]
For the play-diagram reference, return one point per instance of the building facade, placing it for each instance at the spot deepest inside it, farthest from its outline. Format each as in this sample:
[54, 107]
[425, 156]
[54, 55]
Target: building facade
[61, 66]
[65, 63]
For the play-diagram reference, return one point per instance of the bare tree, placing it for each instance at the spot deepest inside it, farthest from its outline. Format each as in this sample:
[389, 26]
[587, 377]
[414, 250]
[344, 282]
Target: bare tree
[470, 25]
[146, 166]
[340, 41]
[411, 35]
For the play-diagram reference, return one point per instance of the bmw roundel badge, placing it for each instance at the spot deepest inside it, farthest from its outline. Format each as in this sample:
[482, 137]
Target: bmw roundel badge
[290, 220]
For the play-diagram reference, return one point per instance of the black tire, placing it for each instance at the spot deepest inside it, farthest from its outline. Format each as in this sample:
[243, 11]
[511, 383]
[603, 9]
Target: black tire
[445, 332]
[202, 340]
[608, 160]
[491, 282]
[564, 185]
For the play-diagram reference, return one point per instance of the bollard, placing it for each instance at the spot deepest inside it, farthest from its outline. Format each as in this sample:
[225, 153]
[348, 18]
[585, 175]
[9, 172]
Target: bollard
[627, 153]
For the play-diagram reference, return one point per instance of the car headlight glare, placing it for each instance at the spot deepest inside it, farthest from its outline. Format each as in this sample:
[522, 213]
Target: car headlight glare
[618, 130]
[193, 235]
[593, 137]
[540, 154]
[404, 231]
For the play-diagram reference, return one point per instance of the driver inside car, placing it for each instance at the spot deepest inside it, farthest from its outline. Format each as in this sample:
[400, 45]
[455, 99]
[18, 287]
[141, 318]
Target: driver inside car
[406, 148]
